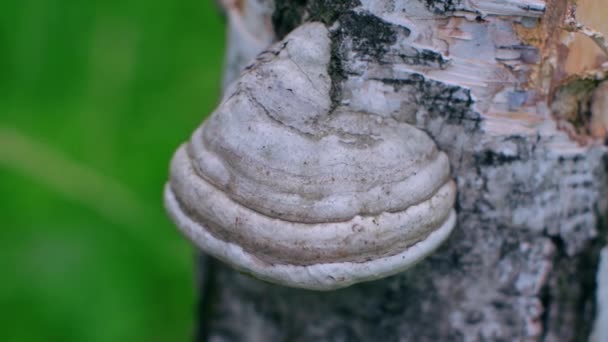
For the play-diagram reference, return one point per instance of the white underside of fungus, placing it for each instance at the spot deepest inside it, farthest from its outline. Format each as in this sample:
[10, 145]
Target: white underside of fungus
[282, 186]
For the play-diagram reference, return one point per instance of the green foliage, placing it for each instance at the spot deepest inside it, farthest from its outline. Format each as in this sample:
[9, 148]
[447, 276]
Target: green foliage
[94, 98]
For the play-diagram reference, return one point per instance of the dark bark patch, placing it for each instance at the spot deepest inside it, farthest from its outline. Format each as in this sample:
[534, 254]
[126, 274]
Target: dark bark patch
[569, 296]
[493, 158]
[441, 6]
[424, 57]
[371, 36]
[441, 100]
[328, 11]
[287, 15]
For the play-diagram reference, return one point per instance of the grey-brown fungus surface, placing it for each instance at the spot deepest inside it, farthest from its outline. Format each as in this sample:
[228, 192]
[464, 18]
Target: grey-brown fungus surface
[282, 186]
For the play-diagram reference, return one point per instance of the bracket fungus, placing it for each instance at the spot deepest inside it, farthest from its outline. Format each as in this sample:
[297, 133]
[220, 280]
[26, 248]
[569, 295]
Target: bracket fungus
[282, 185]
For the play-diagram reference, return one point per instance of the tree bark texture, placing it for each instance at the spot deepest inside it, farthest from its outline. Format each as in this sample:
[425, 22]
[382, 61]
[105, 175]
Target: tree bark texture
[512, 91]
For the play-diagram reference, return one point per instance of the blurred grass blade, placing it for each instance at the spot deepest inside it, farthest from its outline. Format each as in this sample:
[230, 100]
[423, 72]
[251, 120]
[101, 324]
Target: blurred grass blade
[77, 182]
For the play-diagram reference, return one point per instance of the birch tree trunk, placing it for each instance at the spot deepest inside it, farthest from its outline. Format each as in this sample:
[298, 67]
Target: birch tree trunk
[513, 92]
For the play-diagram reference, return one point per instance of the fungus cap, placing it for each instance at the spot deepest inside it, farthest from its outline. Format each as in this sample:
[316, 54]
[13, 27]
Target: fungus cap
[283, 186]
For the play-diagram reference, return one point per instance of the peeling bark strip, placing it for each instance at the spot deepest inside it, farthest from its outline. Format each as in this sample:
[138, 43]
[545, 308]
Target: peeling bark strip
[512, 98]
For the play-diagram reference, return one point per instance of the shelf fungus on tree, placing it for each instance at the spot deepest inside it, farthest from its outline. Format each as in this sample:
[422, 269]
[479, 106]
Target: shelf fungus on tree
[284, 186]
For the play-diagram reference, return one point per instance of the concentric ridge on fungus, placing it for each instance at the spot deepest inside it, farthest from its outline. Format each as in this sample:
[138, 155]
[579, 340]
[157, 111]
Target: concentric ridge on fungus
[281, 187]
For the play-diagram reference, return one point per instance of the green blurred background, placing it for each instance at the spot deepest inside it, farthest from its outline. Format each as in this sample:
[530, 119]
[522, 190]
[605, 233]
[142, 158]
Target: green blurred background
[94, 98]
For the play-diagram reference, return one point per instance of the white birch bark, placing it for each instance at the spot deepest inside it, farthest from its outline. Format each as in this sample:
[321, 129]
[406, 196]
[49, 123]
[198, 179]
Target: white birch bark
[512, 91]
